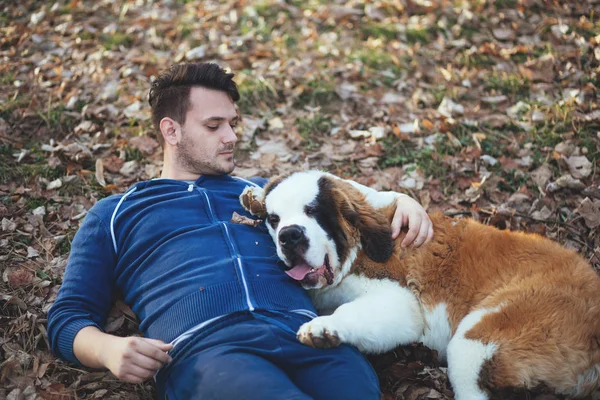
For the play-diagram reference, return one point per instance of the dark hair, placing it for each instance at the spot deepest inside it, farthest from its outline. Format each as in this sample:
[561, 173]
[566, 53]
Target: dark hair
[170, 92]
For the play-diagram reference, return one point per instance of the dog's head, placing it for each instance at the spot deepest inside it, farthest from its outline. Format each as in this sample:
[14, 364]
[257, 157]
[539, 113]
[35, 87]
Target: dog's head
[319, 224]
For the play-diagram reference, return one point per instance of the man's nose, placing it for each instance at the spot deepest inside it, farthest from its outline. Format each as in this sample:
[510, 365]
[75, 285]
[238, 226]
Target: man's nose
[230, 136]
[291, 236]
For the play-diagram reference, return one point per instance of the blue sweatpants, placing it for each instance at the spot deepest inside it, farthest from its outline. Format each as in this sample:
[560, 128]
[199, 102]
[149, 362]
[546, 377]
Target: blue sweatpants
[256, 356]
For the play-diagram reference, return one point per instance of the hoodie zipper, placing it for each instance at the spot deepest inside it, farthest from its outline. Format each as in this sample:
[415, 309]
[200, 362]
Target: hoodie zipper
[236, 255]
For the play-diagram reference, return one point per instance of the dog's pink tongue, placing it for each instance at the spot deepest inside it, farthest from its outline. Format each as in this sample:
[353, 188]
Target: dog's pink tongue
[299, 271]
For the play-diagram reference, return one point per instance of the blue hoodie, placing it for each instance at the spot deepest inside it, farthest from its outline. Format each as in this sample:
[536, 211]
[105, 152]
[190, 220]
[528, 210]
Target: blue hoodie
[169, 247]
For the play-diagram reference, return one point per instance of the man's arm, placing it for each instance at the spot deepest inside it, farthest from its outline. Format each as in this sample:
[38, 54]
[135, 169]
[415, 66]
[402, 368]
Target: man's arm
[81, 307]
[131, 359]
[408, 213]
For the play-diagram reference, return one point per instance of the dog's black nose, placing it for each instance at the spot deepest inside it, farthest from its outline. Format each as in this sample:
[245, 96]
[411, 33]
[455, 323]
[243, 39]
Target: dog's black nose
[290, 236]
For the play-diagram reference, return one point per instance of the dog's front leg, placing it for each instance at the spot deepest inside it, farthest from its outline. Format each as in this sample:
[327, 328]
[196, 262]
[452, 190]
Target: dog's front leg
[374, 322]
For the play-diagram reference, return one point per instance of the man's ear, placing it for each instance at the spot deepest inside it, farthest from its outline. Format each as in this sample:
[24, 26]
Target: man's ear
[253, 200]
[170, 130]
[373, 226]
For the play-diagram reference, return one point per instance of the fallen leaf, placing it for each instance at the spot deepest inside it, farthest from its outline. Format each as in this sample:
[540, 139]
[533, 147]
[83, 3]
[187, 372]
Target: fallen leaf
[100, 172]
[504, 33]
[20, 277]
[448, 108]
[241, 219]
[115, 324]
[579, 166]
[590, 211]
[565, 181]
[55, 184]
[31, 252]
[144, 143]
[276, 123]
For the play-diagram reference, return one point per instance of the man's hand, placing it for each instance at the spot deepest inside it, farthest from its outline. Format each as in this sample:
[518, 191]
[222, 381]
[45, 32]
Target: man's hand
[131, 359]
[135, 359]
[410, 213]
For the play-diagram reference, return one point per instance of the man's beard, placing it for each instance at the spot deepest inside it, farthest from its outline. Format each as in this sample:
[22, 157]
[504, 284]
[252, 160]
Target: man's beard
[186, 158]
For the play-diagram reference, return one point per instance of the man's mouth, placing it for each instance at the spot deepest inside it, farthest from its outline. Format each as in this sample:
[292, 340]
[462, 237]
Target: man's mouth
[304, 272]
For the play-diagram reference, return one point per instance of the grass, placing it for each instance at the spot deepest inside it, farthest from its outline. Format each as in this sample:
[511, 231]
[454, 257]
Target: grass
[64, 246]
[399, 153]
[475, 59]
[420, 35]
[378, 31]
[589, 140]
[33, 203]
[87, 35]
[17, 102]
[57, 119]
[133, 154]
[23, 172]
[505, 4]
[317, 92]
[508, 84]
[310, 128]
[255, 93]
[550, 132]
[375, 58]
[115, 40]
[7, 78]
[512, 180]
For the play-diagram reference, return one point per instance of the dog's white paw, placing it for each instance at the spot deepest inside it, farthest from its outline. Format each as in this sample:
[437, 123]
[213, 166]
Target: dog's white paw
[319, 333]
[253, 200]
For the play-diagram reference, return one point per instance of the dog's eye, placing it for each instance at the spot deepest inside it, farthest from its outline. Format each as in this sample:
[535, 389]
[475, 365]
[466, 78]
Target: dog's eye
[273, 219]
[310, 210]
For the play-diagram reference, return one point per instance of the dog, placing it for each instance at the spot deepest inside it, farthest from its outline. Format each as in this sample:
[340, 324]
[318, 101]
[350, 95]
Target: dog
[504, 309]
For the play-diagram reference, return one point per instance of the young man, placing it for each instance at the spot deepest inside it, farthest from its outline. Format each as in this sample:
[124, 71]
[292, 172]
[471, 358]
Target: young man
[219, 316]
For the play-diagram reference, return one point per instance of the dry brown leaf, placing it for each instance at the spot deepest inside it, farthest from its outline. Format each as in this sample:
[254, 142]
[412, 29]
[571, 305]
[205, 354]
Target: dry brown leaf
[241, 219]
[20, 277]
[145, 144]
[590, 211]
[579, 166]
[100, 172]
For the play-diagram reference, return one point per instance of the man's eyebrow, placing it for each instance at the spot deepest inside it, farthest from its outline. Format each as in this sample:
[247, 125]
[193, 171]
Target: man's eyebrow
[219, 119]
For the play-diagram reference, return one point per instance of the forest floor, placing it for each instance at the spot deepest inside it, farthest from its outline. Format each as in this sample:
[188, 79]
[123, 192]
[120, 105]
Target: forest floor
[486, 109]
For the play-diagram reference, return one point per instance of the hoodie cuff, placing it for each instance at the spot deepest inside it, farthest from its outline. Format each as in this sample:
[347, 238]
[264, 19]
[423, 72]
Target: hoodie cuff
[67, 338]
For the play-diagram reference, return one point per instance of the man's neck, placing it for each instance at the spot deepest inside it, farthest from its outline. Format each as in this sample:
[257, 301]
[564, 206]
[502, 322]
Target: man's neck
[169, 173]
[172, 170]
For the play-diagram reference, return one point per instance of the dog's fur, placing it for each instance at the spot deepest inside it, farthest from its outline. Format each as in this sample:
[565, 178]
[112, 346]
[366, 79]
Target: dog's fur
[506, 309]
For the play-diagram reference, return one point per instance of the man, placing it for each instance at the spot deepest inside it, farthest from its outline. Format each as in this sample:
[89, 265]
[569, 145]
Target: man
[219, 316]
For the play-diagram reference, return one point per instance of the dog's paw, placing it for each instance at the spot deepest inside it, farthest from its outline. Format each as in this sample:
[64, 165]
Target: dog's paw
[319, 333]
[252, 199]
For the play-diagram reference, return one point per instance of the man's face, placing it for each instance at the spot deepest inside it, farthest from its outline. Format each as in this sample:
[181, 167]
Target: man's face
[207, 137]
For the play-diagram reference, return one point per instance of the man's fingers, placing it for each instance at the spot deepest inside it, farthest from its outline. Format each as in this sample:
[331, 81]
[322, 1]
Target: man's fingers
[397, 224]
[135, 371]
[422, 236]
[132, 379]
[413, 231]
[425, 232]
[159, 343]
[147, 363]
[430, 233]
[150, 350]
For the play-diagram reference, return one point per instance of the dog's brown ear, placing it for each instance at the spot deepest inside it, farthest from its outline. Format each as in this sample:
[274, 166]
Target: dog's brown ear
[373, 226]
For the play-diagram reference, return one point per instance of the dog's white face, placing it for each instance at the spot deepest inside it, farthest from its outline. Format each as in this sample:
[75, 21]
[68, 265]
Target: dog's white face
[315, 222]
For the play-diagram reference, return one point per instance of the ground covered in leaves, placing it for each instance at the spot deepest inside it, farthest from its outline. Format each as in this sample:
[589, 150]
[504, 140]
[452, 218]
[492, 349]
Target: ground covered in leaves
[485, 108]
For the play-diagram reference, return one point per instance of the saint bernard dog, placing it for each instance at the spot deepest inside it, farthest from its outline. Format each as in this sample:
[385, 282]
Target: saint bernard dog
[505, 309]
